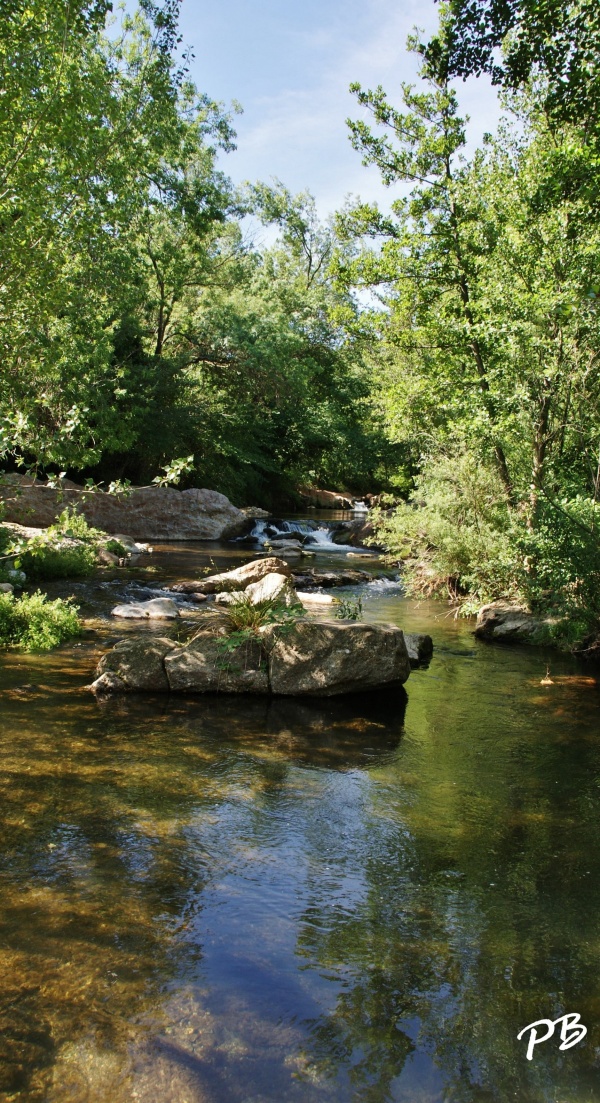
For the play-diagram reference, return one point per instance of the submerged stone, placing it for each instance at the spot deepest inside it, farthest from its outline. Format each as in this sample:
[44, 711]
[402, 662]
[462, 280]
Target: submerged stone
[158, 608]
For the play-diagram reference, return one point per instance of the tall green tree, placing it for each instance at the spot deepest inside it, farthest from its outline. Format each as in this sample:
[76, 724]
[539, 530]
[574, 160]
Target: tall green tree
[96, 129]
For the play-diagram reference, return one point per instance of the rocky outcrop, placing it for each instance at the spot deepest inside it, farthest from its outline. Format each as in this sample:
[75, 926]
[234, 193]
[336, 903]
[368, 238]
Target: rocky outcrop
[239, 579]
[302, 658]
[146, 513]
[507, 623]
[325, 499]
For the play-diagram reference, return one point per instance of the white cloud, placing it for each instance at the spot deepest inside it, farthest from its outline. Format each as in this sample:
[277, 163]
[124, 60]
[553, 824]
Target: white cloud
[295, 109]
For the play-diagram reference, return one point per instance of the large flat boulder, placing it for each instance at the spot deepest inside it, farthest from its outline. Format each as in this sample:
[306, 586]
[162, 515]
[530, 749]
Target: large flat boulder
[146, 513]
[325, 658]
[239, 579]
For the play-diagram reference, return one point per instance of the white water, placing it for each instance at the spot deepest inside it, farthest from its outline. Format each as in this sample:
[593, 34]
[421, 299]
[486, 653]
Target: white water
[316, 538]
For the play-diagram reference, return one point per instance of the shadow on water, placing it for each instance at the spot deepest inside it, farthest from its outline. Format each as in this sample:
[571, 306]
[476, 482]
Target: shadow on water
[98, 866]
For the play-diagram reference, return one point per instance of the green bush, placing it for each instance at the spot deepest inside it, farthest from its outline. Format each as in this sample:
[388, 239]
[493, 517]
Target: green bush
[42, 561]
[455, 535]
[74, 525]
[116, 548]
[32, 623]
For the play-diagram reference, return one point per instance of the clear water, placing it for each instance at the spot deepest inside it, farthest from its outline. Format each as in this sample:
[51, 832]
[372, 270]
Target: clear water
[212, 900]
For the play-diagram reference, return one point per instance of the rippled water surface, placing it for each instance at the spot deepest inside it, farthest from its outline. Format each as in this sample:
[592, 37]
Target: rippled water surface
[205, 900]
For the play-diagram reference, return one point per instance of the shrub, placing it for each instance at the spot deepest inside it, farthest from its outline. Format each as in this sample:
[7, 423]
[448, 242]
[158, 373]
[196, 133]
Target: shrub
[455, 533]
[349, 609]
[32, 623]
[41, 560]
[74, 526]
[116, 548]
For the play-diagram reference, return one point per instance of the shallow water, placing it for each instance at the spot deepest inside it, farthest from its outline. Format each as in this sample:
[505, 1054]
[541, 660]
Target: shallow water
[213, 900]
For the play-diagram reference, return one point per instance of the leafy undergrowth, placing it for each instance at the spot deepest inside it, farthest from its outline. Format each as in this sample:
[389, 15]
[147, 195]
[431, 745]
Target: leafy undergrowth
[43, 561]
[32, 623]
[67, 549]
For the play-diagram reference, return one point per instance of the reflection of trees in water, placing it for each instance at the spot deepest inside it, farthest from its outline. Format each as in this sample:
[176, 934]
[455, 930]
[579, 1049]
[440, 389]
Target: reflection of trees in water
[101, 874]
[477, 918]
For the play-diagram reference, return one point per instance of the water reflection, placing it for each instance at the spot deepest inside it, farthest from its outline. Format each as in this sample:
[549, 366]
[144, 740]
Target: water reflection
[225, 900]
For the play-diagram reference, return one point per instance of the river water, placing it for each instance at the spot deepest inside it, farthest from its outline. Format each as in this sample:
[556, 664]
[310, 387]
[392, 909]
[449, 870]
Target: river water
[248, 901]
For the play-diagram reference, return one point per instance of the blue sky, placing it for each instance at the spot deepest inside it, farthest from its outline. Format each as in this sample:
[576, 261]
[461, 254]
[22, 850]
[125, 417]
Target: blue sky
[289, 64]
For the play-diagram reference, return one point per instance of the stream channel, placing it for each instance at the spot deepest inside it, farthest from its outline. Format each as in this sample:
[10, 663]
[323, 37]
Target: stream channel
[226, 900]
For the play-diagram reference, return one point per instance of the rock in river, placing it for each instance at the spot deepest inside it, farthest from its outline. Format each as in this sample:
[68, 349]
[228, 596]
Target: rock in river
[303, 658]
[158, 608]
[419, 647]
[136, 663]
[205, 666]
[236, 580]
[324, 658]
[508, 623]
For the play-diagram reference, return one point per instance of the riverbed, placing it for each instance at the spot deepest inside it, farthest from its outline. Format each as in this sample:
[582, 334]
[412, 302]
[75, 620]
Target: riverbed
[225, 900]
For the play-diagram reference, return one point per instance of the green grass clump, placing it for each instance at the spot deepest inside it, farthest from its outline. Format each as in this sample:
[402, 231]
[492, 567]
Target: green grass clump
[42, 561]
[243, 616]
[32, 623]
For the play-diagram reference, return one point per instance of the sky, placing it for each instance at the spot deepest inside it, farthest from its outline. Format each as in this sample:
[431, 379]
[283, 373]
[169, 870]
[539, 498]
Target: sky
[289, 64]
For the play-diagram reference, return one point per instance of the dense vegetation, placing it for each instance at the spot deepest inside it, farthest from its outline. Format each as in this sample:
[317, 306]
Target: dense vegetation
[445, 350]
[128, 285]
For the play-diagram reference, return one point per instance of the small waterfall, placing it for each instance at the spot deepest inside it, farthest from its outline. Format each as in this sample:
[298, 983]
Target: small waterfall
[313, 535]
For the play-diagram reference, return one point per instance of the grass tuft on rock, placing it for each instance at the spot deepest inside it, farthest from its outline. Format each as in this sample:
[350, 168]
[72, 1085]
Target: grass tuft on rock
[32, 623]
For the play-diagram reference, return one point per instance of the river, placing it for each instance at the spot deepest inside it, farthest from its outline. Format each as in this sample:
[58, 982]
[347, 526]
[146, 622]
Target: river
[217, 900]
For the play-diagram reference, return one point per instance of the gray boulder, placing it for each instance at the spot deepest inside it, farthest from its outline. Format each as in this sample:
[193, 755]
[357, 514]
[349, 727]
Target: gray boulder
[136, 663]
[158, 608]
[509, 623]
[419, 647]
[324, 658]
[236, 580]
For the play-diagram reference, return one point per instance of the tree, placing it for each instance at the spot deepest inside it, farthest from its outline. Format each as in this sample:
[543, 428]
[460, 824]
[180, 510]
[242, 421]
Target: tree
[489, 275]
[557, 40]
[95, 130]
